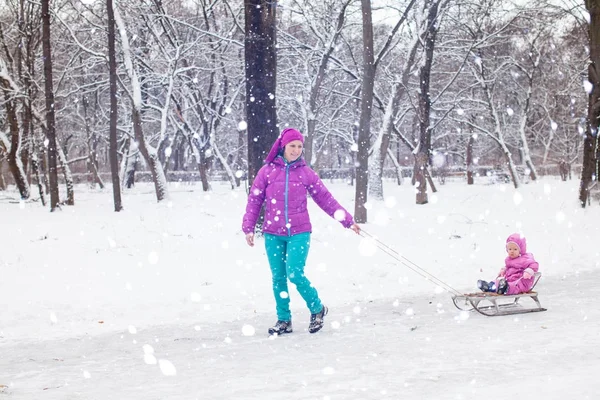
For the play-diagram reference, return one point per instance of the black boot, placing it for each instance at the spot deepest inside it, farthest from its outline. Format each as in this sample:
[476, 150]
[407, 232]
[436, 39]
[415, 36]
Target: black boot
[502, 286]
[281, 327]
[486, 286]
[316, 320]
[482, 285]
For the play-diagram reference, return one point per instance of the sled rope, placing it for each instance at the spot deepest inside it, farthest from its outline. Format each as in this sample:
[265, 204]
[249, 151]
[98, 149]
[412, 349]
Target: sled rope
[408, 263]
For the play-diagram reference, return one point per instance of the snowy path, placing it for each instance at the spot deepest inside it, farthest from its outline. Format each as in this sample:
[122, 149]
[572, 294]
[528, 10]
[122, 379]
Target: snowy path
[380, 352]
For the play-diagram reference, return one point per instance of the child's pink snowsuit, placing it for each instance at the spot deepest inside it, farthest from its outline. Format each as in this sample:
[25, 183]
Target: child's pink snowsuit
[515, 267]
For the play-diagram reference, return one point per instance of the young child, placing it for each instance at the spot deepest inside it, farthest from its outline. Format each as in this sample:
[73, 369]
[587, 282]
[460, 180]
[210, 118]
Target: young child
[517, 274]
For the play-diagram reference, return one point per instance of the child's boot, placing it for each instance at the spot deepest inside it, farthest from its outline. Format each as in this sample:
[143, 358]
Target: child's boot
[486, 286]
[502, 286]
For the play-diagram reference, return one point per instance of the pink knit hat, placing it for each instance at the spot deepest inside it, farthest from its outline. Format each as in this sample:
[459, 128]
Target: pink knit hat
[519, 240]
[286, 136]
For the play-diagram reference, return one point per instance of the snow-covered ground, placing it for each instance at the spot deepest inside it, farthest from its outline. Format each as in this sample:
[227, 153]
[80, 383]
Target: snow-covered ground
[166, 301]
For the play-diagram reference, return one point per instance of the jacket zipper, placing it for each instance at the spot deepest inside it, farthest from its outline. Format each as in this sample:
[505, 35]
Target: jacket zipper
[287, 182]
[286, 197]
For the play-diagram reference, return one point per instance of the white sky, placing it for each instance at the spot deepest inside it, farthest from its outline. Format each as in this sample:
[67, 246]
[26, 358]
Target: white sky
[166, 301]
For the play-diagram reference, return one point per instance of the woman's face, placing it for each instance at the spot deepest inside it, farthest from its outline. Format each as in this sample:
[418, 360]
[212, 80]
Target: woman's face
[293, 150]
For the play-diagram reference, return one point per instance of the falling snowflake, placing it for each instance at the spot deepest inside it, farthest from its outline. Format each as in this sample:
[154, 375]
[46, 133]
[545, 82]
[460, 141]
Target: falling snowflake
[167, 368]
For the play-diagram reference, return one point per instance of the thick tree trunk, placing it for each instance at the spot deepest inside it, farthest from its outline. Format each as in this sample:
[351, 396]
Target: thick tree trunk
[50, 118]
[589, 170]
[261, 78]
[364, 125]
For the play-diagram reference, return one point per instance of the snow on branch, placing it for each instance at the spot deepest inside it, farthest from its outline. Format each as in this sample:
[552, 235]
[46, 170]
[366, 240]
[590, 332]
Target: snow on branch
[81, 45]
[135, 84]
[4, 142]
[6, 79]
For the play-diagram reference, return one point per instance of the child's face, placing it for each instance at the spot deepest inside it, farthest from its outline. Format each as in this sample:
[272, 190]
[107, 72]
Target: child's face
[513, 250]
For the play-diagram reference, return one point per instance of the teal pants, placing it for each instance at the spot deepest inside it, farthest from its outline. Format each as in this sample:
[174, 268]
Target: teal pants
[287, 258]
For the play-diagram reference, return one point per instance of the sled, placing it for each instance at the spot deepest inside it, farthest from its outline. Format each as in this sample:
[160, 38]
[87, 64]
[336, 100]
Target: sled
[493, 304]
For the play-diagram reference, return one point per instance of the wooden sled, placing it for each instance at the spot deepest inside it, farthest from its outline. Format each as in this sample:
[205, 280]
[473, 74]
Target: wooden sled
[493, 304]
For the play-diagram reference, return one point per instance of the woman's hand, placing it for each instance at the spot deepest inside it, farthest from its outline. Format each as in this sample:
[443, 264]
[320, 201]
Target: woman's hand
[355, 228]
[250, 239]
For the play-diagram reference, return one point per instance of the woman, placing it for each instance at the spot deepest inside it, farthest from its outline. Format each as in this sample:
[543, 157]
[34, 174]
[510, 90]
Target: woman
[283, 184]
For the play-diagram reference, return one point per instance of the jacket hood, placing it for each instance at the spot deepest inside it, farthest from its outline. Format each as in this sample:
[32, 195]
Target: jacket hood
[519, 240]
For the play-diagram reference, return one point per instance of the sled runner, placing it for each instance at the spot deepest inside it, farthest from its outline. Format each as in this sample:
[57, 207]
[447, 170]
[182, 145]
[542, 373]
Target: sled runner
[493, 304]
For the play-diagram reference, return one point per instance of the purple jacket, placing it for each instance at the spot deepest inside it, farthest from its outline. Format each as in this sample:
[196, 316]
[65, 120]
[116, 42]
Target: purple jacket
[284, 188]
[515, 267]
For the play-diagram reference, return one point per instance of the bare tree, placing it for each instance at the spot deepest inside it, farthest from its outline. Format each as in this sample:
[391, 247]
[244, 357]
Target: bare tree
[146, 149]
[364, 126]
[423, 151]
[112, 76]
[11, 90]
[50, 118]
[381, 144]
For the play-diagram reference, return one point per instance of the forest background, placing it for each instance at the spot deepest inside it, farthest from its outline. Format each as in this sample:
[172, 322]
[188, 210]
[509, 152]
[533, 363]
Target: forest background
[420, 88]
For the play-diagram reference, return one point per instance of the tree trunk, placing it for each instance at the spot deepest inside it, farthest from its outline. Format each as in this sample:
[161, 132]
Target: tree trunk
[39, 177]
[39, 166]
[15, 164]
[2, 180]
[92, 142]
[201, 161]
[424, 150]
[50, 118]
[397, 165]
[522, 126]
[261, 78]
[469, 160]
[150, 156]
[589, 169]
[380, 149]
[364, 126]
[223, 161]
[67, 176]
[130, 163]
